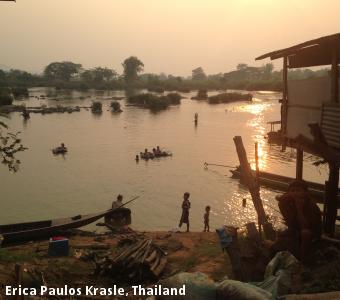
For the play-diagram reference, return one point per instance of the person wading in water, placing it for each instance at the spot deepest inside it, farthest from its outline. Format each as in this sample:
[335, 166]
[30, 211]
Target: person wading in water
[185, 211]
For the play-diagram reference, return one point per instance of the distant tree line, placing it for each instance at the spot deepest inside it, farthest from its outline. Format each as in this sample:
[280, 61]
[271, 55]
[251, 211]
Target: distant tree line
[70, 75]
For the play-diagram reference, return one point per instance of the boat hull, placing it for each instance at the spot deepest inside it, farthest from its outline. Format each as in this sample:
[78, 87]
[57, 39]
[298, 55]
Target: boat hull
[281, 183]
[21, 232]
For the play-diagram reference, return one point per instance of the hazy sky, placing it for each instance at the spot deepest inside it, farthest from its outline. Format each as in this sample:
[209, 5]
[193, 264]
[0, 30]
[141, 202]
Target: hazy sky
[171, 36]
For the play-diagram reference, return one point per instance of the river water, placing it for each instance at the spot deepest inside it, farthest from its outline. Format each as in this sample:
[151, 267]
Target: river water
[100, 163]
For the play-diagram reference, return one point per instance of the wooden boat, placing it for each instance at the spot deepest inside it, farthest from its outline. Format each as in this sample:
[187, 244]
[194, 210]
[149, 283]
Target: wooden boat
[16, 233]
[281, 183]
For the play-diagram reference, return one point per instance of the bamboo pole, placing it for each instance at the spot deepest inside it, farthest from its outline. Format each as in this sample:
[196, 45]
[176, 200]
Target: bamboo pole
[253, 188]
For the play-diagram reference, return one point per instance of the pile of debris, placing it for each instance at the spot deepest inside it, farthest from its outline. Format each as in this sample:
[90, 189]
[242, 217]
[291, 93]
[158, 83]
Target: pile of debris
[141, 261]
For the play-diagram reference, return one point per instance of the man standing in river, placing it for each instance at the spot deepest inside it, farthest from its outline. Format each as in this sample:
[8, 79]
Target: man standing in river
[185, 210]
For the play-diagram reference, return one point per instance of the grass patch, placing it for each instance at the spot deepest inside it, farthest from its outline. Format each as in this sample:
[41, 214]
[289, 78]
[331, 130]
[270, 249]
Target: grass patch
[208, 249]
[189, 263]
[10, 256]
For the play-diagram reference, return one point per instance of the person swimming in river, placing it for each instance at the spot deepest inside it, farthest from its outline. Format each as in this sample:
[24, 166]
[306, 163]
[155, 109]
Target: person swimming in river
[185, 211]
[206, 219]
[25, 113]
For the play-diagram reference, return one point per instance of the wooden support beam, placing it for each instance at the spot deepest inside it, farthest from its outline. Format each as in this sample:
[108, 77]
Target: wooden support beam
[284, 107]
[330, 199]
[299, 164]
[257, 161]
[335, 77]
[254, 188]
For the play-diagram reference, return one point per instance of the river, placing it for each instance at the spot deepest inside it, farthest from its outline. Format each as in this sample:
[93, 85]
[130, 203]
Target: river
[100, 163]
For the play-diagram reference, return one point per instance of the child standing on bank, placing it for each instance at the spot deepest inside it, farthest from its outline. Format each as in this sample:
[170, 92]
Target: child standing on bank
[206, 219]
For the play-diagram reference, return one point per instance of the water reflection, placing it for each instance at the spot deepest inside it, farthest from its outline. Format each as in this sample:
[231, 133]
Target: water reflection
[101, 162]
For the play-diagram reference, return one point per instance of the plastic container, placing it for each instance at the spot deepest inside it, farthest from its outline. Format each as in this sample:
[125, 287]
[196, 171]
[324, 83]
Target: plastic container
[58, 247]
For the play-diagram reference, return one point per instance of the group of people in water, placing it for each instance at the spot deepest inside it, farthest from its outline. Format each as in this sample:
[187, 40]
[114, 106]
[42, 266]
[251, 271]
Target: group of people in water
[156, 152]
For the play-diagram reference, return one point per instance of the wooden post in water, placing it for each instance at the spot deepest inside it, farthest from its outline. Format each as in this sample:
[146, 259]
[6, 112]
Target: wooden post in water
[253, 188]
[257, 161]
[299, 164]
[257, 175]
[284, 107]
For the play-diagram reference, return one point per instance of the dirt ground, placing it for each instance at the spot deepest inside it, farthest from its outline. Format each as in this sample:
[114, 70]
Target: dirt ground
[192, 252]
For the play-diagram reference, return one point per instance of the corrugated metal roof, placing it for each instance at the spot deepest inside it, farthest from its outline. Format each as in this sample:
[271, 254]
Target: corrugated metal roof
[310, 53]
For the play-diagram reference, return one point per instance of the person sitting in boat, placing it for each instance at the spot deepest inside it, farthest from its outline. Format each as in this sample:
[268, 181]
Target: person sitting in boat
[118, 202]
[158, 151]
[120, 215]
[148, 155]
[137, 158]
[62, 146]
[303, 219]
[155, 154]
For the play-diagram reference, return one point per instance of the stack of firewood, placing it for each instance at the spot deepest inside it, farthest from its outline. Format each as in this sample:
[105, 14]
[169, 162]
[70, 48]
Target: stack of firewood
[140, 262]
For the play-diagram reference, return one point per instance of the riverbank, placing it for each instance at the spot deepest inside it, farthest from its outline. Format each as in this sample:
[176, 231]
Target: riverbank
[186, 252]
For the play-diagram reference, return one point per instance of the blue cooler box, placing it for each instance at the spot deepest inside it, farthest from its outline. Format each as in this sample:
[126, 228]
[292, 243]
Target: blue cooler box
[58, 247]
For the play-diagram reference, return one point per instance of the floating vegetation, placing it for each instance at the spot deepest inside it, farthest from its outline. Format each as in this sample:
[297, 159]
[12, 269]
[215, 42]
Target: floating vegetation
[154, 102]
[115, 107]
[97, 107]
[201, 95]
[229, 97]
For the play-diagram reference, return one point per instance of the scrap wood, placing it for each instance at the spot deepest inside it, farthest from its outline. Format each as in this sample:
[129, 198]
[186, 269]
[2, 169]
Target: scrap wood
[140, 262]
[96, 246]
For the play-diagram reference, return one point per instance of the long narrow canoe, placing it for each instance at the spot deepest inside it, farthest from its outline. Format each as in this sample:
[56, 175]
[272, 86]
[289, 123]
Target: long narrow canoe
[16, 233]
[281, 183]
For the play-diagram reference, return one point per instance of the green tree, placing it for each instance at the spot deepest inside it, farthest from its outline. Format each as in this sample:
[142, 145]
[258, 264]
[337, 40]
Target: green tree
[99, 74]
[132, 67]
[198, 74]
[62, 70]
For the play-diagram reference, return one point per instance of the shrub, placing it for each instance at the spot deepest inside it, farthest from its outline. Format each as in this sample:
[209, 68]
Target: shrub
[201, 95]
[19, 92]
[115, 106]
[97, 107]
[5, 97]
[156, 89]
[174, 98]
[229, 97]
[151, 101]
